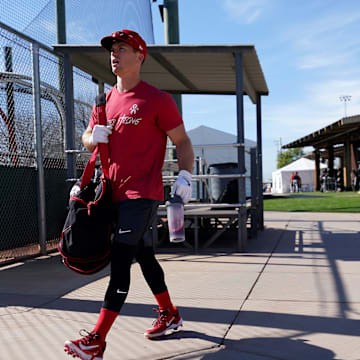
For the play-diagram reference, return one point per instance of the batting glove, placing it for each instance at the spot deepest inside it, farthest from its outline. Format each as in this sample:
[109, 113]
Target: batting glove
[183, 186]
[100, 134]
[74, 190]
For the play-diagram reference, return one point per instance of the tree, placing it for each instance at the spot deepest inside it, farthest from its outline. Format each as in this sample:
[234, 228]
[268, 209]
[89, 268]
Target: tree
[288, 156]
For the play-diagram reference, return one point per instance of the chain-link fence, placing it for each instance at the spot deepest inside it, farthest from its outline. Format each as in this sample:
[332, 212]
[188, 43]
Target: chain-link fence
[33, 186]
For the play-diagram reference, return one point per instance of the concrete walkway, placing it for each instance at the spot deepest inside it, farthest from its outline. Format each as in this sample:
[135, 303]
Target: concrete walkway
[294, 295]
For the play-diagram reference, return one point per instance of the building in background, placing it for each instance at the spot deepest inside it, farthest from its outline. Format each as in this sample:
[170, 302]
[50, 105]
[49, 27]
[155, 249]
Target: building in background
[219, 159]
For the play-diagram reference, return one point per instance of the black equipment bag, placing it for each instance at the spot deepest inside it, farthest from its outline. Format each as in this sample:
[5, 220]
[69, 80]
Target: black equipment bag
[85, 239]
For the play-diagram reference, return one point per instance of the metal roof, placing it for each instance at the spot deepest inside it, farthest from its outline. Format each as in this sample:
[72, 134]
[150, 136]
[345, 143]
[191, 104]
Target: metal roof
[182, 69]
[334, 133]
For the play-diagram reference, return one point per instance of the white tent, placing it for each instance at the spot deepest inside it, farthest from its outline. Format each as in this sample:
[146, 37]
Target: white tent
[306, 170]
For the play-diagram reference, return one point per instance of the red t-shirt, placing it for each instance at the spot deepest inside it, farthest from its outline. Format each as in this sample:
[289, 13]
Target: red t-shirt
[140, 118]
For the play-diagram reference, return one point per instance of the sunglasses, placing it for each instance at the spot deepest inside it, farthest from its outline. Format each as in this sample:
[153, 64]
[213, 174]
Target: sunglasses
[120, 34]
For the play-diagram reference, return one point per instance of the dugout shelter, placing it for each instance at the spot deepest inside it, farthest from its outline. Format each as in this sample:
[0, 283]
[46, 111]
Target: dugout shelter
[186, 69]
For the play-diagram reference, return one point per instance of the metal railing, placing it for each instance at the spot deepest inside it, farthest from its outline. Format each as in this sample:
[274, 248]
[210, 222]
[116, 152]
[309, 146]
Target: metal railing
[221, 216]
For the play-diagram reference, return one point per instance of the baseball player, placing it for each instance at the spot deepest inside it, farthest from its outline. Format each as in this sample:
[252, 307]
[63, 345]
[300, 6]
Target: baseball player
[140, 118]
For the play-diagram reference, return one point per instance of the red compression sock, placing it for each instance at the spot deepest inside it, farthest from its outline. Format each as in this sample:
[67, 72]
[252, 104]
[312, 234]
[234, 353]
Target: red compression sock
[163, 299]
[105, 321]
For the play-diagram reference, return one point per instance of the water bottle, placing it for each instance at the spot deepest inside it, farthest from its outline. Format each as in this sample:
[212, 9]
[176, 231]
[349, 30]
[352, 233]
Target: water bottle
[175, 215]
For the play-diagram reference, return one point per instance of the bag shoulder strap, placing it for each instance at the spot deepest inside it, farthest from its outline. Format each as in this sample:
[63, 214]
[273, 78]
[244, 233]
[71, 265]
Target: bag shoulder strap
[100, 102]
[100, 108]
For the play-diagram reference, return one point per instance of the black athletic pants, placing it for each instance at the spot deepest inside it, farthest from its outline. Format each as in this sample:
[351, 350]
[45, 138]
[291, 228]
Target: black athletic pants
[133, 240]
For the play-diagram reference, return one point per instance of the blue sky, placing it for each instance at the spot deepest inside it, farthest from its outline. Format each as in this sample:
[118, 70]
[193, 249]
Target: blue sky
[309, 52]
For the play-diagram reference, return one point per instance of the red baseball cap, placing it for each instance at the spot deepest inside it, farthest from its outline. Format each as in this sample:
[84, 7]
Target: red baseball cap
[127, 36]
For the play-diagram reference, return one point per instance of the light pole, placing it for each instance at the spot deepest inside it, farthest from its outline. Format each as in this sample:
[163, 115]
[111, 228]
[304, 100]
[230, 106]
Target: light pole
[345, 99]
[278, 144]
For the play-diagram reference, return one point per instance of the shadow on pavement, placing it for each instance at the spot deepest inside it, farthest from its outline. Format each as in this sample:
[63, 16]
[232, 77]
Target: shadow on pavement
[262, 319]
[301, 241]
[260, 347]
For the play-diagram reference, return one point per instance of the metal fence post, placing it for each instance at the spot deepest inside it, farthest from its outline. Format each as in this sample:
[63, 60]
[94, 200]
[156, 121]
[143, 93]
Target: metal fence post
[260, 168]
[254, 192]
[10, 105]
[38, 146]
[69, 111]
[197, 172]
[242, 231]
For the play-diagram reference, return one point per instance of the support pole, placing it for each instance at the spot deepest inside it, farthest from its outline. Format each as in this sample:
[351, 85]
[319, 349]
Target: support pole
[242, 216]
[38, 146]
[10, 108]
[260, 204]
[254, 192]
[171, 29]
[353, 156]
[347, 163]
[69, 112]
[197, 172]
[60, 22]
[172, 36]
[330, 151]
[60, 37]
[60, 18]
[317, 170]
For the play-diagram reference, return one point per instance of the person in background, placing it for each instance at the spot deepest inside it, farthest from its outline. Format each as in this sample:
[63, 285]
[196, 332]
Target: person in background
[140, 118]
[354, 180]
[292, 182]
[339, 180]
[324, 180]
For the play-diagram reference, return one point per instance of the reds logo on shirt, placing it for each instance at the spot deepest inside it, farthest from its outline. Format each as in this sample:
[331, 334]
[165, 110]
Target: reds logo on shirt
[134, 109]
[129, 119]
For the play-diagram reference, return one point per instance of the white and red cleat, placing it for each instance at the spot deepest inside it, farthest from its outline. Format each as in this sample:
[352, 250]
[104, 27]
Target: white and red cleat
[89, 347]
[167, 320]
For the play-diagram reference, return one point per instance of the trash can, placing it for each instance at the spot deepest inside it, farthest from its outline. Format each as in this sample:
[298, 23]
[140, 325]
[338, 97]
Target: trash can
[218, 186]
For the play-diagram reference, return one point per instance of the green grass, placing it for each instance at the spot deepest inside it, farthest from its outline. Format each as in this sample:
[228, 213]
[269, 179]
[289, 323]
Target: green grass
[315, 202]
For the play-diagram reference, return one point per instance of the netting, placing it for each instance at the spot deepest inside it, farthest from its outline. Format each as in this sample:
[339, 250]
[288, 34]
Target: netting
[86, 21]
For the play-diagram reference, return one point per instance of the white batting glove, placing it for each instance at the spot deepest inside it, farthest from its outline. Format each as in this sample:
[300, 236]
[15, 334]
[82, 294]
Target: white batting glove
[183, 186]
[74, 190]
[100, 134]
